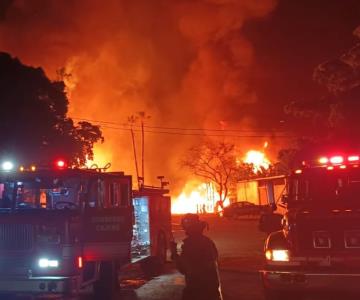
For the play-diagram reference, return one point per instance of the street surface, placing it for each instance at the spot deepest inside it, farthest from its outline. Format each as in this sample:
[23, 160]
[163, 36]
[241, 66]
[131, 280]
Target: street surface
[240, 248]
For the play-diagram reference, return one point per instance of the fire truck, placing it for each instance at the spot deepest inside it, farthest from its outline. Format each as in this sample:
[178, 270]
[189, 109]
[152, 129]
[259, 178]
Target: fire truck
[315, 245]
[64, 229]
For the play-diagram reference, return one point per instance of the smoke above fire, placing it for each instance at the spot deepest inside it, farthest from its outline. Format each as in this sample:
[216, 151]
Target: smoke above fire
[185, 63]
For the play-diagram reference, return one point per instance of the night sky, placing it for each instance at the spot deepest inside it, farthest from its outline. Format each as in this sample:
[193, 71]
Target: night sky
[187, 63]
[290, 42]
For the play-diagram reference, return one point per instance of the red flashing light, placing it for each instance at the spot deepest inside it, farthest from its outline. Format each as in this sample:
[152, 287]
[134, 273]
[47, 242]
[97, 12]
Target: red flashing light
[336, 159]
[330, 168]
[353, 158]
[80, 262]
[323, 160]
[60, 164]
[342, 167]
[299, 171]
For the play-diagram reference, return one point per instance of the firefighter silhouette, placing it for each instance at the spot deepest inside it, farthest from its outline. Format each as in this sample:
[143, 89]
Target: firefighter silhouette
[197, 261]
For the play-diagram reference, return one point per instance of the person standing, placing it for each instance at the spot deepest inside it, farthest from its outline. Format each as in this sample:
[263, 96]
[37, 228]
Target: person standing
[198, 261]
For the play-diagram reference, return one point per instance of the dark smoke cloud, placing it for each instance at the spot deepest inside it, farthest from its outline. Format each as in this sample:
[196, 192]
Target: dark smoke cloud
[4, 5]
[184, 62]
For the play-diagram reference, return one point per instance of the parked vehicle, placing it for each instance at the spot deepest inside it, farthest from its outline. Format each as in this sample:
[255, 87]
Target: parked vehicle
[242, 208]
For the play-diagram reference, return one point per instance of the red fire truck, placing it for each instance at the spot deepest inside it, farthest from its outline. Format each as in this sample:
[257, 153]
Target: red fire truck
[315, 245]
[64, 229]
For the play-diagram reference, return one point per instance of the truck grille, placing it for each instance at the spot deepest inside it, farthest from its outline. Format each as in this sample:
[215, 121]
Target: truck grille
[18, 266]
[333, 233]
[16, 237]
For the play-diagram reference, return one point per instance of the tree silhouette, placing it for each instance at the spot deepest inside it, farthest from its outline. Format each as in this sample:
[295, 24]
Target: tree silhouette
[34, 127]
[215, 162]
[331, 122]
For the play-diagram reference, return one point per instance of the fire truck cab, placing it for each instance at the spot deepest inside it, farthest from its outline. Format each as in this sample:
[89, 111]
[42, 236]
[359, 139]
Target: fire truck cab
[63, 230]
[315, 246]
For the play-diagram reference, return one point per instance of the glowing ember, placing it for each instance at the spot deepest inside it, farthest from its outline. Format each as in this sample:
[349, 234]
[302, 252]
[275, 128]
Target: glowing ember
[197, 198]
[258, 159]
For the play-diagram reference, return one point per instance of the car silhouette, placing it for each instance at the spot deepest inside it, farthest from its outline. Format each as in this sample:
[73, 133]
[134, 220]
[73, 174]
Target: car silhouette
[242, 208]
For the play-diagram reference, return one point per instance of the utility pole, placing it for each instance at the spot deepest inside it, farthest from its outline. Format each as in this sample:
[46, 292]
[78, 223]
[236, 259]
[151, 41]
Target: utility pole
[143, 117]
[131, 122]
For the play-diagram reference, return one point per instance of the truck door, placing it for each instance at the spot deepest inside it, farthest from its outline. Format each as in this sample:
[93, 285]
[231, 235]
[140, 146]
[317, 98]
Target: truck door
[108, 216]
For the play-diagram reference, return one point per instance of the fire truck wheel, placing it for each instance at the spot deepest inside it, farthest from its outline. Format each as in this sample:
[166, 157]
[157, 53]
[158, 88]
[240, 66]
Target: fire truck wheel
[107, 286]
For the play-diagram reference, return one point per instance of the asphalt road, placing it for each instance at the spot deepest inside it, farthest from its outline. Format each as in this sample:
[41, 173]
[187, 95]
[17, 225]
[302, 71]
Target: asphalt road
[240, 248]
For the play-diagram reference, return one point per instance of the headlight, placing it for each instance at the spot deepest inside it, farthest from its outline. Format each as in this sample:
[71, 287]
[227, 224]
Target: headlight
[7, 165]
[48, 263]
[277, 255]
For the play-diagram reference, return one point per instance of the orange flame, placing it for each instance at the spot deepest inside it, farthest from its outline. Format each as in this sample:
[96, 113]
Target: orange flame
[258, 159]
[197, 197]
[101, 157]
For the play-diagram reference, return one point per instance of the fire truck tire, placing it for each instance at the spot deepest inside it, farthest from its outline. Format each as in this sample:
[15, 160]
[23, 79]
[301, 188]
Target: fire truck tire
[107, 286]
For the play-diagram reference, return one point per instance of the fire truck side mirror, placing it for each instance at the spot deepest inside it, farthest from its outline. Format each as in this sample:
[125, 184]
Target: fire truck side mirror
[270, 222]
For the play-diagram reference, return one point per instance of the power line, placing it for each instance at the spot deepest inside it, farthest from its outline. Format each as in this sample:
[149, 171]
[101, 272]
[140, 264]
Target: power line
[194, 134]
[125, 126]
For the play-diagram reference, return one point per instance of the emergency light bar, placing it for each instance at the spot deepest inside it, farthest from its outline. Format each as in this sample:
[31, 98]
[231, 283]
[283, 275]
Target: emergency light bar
[323, 160]
[332, 162]
[8, 166]
[31, 168]
[338, 160]
[60, 164]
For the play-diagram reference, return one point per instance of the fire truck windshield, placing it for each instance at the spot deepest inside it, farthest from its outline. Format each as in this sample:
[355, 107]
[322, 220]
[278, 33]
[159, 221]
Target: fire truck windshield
[324, 185]
[39, 193]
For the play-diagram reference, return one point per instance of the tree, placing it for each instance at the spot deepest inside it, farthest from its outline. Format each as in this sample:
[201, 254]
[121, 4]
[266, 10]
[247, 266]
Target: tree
[215, 162]
[286, 161]
[331, 122]
[341, 77]
[34, 127]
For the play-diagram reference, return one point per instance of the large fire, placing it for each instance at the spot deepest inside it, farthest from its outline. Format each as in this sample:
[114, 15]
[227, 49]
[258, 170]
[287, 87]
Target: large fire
[258, 159]
[197, 197]
[101, 158]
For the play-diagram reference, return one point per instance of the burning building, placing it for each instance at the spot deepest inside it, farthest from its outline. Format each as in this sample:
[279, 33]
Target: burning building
[185, 63]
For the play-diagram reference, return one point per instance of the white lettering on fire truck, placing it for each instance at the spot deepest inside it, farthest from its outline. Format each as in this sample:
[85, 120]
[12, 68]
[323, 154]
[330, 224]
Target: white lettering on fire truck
[107, 219]
[107, 223]
[108, 227]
